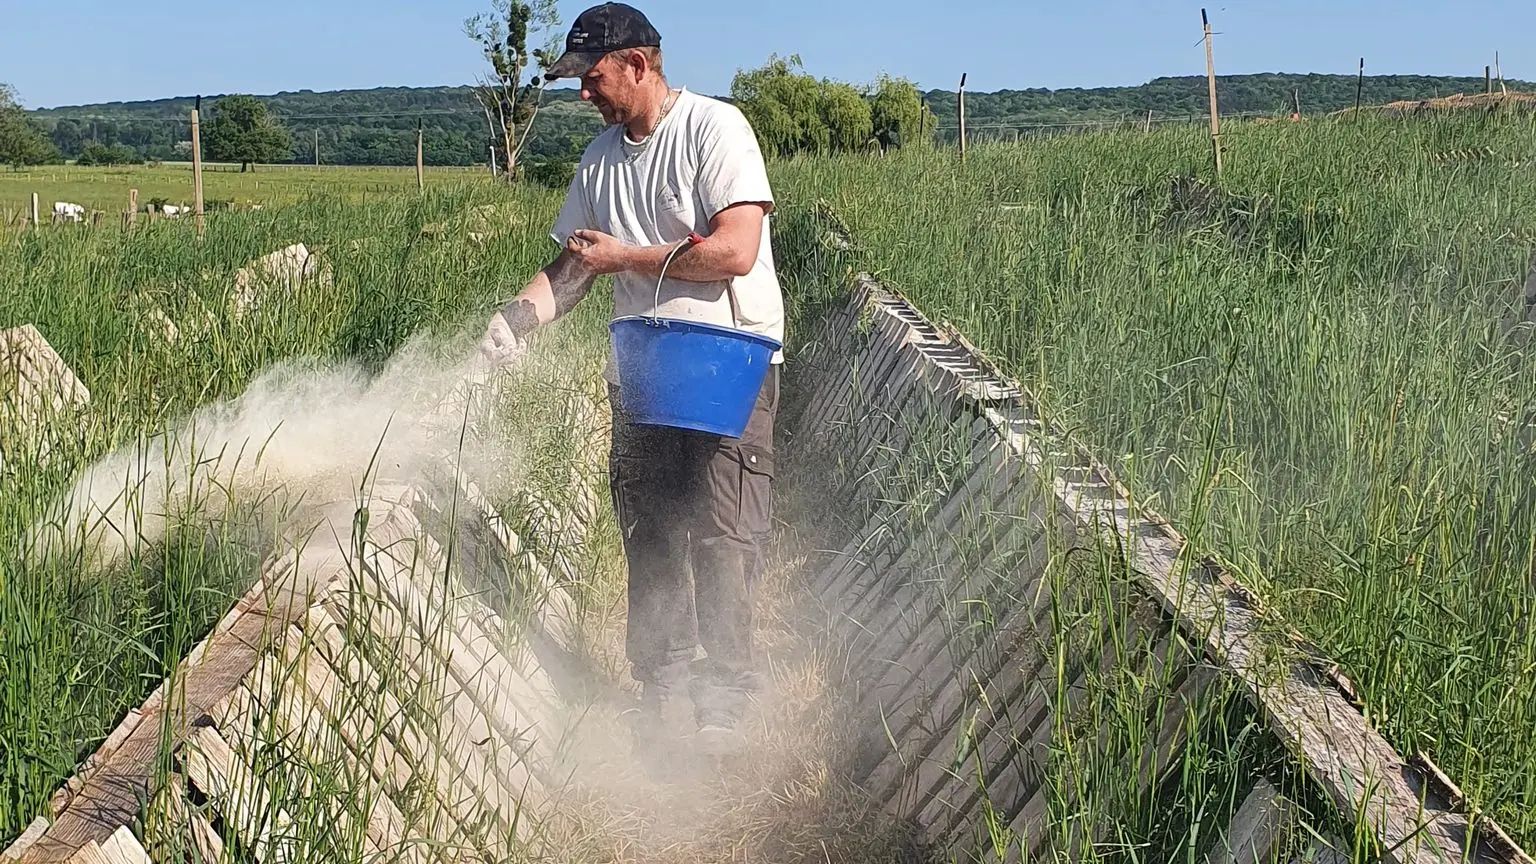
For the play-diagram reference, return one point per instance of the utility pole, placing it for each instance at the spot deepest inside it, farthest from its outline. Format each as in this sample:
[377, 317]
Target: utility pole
[1210, 77]
[419, 185]
[317, 148]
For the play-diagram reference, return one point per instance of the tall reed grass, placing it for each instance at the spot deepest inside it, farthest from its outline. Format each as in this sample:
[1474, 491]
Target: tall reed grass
[1318, 367]
[79, 646]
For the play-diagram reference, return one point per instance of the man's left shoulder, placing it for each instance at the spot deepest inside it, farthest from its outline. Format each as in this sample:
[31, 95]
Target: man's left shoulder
[714, 113]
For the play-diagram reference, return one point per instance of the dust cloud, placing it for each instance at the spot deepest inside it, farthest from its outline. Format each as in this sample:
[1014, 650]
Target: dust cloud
[303, 432]
[321, 432]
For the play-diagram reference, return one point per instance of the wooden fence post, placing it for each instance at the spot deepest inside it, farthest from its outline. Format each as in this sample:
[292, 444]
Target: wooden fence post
[34, 210]
[197, 171]
[960, 111]
[131, 218]
[1359, 85]
[1210, 76]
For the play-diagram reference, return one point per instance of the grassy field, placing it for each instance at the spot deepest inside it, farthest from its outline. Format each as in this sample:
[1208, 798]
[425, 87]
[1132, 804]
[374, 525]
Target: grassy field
[106, 188]
[324, 381]
[78, 646]
[1320, 369]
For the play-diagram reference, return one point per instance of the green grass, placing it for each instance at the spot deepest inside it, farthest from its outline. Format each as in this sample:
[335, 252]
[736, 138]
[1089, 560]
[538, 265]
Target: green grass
[1319, 380]
[1340, 336]
[77, 646]
[106, 188]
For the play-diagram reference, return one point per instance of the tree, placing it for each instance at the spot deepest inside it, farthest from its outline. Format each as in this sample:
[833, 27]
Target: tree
[242, 131]
[108, 154]
[22, 142]
[900, 117]
[794, 112]
[69, 135]
[504, 35]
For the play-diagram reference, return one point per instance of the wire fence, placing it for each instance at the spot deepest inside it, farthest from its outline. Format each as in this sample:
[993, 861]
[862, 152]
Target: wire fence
[992, 132]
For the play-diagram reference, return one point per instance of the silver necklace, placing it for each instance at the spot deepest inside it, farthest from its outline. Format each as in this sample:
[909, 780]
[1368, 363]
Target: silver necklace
[639, 147]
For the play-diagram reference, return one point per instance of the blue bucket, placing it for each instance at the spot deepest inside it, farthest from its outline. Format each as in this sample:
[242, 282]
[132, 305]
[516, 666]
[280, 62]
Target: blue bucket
[688, 374]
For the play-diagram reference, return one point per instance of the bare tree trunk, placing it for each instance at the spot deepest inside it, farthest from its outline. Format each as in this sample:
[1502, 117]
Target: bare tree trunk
[490, 128]
[509, 164]
[528, 124]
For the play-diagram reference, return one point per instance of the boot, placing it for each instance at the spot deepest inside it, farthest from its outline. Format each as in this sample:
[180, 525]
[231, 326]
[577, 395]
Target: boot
[666, 722]
[720, 699]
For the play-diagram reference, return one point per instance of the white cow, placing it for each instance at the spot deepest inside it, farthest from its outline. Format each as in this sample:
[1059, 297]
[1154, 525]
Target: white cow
[171, 209]
[66, 210]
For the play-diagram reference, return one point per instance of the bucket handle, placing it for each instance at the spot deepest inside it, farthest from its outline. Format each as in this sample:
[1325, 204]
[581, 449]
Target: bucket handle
[654, 319]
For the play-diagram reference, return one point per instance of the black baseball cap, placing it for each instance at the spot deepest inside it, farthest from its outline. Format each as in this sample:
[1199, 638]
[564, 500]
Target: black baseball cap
[599, 30]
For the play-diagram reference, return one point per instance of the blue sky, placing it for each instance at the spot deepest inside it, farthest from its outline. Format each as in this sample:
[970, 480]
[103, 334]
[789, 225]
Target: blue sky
[59, 52]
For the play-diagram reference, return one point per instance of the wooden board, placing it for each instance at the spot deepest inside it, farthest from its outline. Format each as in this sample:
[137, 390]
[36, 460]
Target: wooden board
[1258, 829]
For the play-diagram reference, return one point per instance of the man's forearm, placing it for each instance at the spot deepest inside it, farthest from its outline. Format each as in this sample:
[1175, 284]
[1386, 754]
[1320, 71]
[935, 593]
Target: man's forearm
[551, 293]
[713, 260]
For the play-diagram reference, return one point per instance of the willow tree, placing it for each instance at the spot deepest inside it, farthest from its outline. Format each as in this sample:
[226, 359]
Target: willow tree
[794, 112]
[900, 116]
[514, 37]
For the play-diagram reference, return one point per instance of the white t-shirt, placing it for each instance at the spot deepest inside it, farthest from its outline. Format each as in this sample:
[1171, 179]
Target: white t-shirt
[702, 158]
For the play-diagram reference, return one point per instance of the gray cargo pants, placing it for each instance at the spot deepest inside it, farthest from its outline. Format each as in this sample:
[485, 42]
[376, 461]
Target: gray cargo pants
[690, 504]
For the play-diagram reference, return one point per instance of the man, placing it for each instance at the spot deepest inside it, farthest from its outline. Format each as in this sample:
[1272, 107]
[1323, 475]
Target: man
[671, 163]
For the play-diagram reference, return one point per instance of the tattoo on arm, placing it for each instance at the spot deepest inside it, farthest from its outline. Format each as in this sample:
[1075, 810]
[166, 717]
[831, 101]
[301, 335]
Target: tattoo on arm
[521, 317]
[569, 282]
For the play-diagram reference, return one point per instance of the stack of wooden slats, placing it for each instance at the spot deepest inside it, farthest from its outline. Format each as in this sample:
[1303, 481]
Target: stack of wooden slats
[946, 598]
[36, 386]
[360, 702]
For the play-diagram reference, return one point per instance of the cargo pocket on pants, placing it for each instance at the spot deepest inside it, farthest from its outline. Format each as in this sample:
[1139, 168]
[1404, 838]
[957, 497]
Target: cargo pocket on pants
[740, 493]
[755, 504]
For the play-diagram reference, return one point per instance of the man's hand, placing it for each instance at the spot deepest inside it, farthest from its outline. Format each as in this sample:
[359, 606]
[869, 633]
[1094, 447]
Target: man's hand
[501, 345]
[597, 252]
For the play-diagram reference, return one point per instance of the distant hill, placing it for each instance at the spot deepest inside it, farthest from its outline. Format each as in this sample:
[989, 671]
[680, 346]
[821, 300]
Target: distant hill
[378, 126]
[357, 127]
[1188, 95]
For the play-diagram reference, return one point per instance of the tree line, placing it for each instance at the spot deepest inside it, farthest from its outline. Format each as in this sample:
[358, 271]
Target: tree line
[791, 110]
